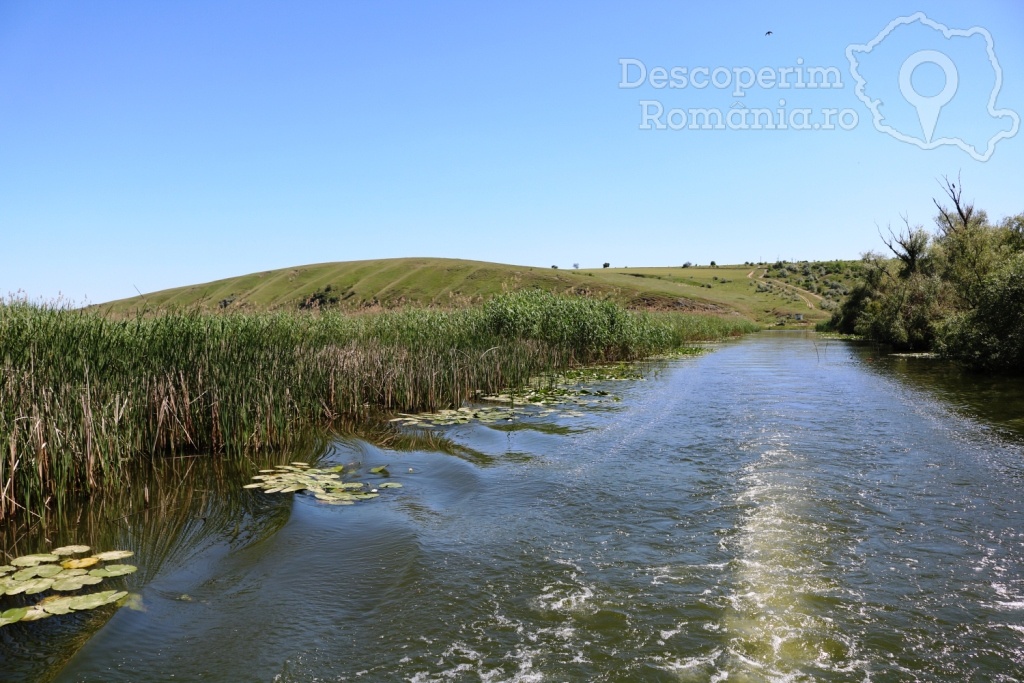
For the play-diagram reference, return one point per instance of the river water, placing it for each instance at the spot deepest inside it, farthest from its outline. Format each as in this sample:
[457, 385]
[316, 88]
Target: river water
[781, 509]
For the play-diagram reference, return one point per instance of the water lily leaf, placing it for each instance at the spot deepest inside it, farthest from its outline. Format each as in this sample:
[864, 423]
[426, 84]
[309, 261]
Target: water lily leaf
[119, 569]
[253, 486]
[72, 550]
[390, 485]
[299, 463]
[37, 586]
[35, 612]
[6, 569]
[56, 604]
[113, 555]
[293, 488]
[73, 583]
[382, 471]
[80, 563]
[48, 571]
[24, 574]
[44, 570]
[13, 615]
[68, 573]
[94, 600]
[33, 560]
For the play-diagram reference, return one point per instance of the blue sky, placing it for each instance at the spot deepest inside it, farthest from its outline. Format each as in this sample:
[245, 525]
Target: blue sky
[158, 144]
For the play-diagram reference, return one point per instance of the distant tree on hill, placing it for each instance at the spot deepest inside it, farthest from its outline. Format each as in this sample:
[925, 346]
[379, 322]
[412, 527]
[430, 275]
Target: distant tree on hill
[555, 267]
[576, 265]
[606, 265]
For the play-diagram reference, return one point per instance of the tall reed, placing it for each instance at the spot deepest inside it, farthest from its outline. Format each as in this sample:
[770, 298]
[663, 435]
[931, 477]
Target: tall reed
[82, 395]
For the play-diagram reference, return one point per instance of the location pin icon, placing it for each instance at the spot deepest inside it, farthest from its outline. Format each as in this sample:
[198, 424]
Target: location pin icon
[928, 108]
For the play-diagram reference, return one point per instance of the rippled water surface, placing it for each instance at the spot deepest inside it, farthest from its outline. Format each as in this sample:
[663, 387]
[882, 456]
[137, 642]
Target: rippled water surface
[781, 509]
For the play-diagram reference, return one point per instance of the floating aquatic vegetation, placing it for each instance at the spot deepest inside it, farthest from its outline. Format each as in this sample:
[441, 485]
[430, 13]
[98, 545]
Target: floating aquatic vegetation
[113, 555]
[562, 395]
[33, 560]
[80, 563]
[325, 484]
[46, 571]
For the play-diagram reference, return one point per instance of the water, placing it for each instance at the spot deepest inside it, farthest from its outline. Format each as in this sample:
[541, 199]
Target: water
[782, 509]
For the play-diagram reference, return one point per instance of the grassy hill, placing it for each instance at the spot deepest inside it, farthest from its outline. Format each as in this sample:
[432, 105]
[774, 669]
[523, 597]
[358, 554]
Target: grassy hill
[765, 293]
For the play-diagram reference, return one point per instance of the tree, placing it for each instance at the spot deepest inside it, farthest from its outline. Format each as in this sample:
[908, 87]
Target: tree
[910, 246]
[714, 265]
[555, 267]
[967, 248]
[990, 336]
[576, 265]
[606, 265]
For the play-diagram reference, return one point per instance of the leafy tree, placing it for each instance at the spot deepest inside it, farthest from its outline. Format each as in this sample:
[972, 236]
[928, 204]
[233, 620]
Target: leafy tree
[606, 265]
[990, 336]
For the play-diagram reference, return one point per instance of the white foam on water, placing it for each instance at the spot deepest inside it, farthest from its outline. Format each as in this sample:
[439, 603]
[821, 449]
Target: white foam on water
[1007, 600]
[774, 626]
[472, 662]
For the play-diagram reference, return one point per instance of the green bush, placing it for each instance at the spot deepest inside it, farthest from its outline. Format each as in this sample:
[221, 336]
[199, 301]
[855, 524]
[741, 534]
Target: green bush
[991, 335]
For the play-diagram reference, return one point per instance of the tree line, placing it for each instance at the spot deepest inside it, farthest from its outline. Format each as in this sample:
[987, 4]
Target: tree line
[957, 291]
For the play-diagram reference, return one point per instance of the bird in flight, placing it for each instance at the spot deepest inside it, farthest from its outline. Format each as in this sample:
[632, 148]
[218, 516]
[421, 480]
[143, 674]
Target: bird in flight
[768, 33]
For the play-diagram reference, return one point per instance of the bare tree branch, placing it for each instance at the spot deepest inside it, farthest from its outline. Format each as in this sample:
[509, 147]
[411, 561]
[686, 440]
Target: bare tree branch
[950, 222]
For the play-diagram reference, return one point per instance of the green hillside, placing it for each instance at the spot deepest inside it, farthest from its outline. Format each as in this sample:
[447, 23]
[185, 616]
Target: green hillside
[763, 293]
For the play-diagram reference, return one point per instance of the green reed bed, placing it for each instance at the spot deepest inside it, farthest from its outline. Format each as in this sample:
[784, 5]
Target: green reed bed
[82, 395]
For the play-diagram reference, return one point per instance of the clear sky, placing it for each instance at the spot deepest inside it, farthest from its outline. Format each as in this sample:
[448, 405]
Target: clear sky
[146, 145]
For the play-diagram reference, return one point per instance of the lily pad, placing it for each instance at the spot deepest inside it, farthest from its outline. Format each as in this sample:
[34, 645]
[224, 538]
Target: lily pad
[113, 555]
[390, 485]
[382, 471]
[56, 604]
[325, 484]
[45, 571]
[48, 571]
[33, 560]
[24, 574]
[6, 569]
[73, 583]
[34, 613]
[94, 600]
[80, 563]
[115, 570]
[72, 550]
[39, 585]
[13, 615]
[67, 573]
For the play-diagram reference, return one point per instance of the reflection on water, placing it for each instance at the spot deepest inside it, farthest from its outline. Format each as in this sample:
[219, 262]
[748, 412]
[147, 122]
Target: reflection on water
[782, 509]
[995, 400]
